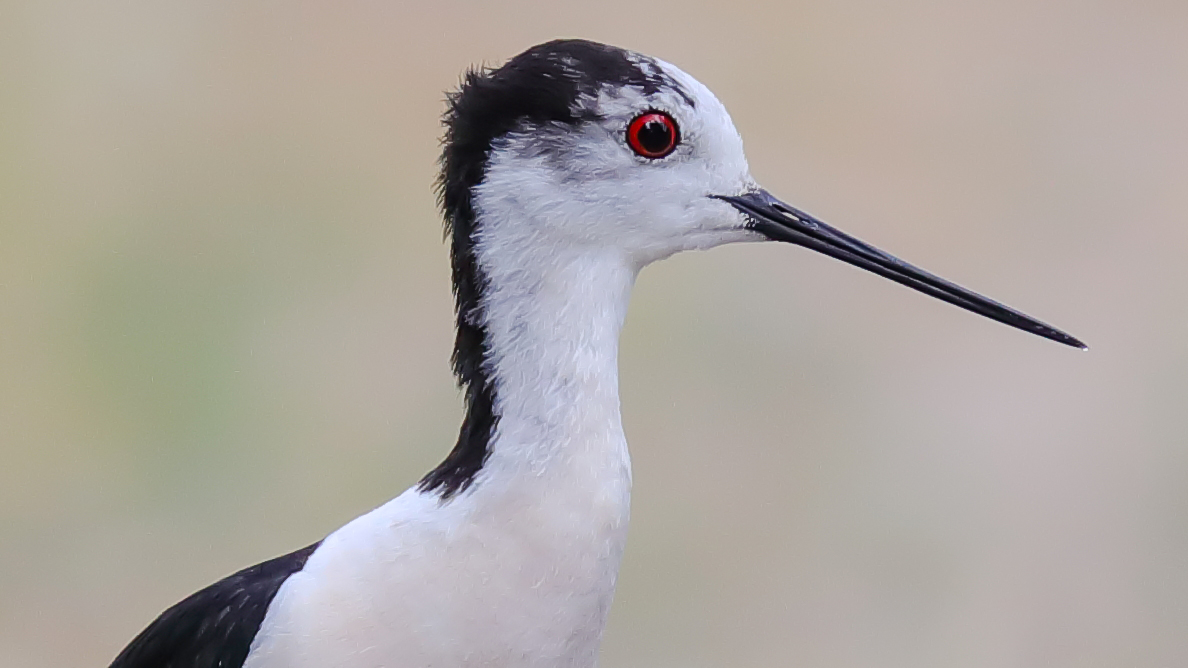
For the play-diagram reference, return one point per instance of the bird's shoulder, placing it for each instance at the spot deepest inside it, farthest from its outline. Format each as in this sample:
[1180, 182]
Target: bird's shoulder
[213, 627]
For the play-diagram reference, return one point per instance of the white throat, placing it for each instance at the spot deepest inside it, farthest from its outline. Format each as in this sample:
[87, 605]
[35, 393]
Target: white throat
[552, 326]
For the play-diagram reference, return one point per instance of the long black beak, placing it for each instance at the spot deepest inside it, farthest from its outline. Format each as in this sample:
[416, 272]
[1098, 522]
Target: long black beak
[781, 222]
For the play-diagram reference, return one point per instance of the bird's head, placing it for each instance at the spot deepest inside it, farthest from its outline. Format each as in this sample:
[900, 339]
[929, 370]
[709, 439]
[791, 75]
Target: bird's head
[574, 146]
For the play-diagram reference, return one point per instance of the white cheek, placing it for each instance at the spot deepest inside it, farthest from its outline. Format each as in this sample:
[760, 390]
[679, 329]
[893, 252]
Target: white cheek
[588, 189]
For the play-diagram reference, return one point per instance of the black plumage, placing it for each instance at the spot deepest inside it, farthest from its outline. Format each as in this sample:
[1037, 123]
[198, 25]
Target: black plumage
[213, 627]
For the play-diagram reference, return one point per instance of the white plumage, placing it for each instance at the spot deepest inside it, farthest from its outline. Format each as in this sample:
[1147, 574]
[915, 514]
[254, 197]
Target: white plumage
[566, 172]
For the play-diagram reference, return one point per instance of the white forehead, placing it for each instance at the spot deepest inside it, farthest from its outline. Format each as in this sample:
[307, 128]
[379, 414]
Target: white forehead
[709, 141]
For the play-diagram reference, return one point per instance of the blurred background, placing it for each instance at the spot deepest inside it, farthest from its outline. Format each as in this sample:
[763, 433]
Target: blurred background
[225, 321]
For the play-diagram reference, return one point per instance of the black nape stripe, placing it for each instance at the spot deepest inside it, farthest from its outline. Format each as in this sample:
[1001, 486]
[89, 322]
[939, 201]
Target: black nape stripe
[214, 627]
[541, 85]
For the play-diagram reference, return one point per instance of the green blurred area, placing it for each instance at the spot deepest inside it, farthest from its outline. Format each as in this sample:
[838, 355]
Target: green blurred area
[225, 321]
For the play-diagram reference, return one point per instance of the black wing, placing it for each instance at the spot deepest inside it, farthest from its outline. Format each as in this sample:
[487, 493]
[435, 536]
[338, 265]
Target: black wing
[214, 627]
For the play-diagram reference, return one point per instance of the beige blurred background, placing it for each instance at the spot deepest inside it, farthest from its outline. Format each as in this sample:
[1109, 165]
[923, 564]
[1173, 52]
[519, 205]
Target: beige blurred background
[225, 321]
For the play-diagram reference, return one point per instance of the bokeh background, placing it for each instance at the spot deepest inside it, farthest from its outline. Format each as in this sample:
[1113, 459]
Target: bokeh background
[225, 321]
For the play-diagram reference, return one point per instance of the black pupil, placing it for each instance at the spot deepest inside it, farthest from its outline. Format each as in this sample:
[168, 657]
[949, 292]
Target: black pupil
[655, 136]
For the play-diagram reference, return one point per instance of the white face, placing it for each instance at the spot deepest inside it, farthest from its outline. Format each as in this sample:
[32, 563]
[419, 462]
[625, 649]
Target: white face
[567, 186]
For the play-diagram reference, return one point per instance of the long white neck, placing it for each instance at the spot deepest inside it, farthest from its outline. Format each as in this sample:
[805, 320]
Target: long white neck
[544, 524]
[552, 333]
[522, 563]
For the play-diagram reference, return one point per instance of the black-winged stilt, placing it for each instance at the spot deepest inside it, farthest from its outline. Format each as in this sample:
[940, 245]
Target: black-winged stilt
[564, 172]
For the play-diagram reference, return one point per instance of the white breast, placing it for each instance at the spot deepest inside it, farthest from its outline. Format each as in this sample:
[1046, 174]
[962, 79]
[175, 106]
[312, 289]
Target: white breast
[497, 577]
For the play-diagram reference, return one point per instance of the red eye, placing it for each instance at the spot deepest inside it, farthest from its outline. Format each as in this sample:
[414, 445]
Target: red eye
[653, 135]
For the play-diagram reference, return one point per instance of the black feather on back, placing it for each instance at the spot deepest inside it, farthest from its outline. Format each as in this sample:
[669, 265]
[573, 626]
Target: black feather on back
[214, 627]
[541, 85]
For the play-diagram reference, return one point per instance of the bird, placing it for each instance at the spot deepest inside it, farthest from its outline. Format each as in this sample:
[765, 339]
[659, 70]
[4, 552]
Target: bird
[564, 171]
